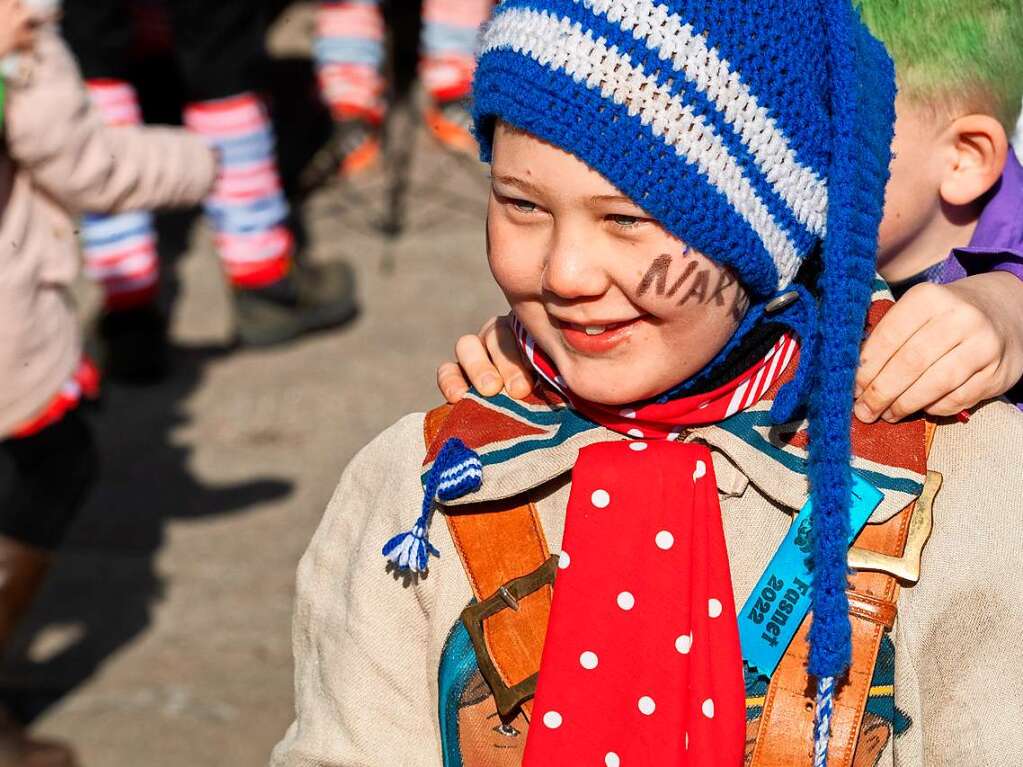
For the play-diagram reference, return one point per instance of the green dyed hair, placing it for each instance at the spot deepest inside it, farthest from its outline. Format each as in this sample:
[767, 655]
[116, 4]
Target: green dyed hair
[962, 54]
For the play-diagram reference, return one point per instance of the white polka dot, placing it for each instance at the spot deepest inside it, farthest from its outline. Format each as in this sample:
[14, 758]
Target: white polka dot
[635, 433]
[638, 446]
[664, 540]
[626, 601]
[588, 660]
[647, 705]
[552, 720]
[713, 608]
[600, 498]
[627, 413]
[684, 643]
[687, 741]
[708, 708]
[675, 434]
[564, 560]
[700, 470]
[612, 760]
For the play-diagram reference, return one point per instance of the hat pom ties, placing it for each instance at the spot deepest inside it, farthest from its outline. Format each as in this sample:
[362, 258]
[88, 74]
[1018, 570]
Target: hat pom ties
[456, 471]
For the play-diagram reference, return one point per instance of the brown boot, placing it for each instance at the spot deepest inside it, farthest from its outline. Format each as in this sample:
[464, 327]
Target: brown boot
[22, 569]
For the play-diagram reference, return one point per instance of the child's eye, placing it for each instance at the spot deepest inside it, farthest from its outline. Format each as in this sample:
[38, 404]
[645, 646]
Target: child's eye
[625, 222]
[523, 206]
[507, 730]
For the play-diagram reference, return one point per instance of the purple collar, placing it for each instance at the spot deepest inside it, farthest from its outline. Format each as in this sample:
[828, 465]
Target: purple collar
[998, 239]
[1000, 229]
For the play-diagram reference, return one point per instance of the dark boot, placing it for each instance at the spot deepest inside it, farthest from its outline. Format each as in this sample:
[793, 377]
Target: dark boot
[133, 345]
[309, 298]
[22, 570]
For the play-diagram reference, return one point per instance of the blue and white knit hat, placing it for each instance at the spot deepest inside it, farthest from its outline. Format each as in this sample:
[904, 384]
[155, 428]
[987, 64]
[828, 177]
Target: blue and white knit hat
[757, 132]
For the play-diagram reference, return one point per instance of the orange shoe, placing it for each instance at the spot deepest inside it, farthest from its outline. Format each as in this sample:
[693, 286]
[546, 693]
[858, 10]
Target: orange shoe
[450, 123]
[363, 157]
[353, 149]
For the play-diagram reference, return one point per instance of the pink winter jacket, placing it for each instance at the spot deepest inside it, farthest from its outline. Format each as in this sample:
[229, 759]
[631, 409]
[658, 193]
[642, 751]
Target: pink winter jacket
[59, 160]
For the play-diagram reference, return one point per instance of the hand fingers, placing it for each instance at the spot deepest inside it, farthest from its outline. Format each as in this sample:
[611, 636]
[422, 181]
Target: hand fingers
[938, 381]
[504, 352]
[892, 332]
[974, 391]
[925, 347]
[451, 382]
[473, 357]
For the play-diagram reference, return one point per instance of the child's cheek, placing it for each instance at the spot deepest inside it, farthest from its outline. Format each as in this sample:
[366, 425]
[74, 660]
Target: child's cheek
[673, 284]
[516, 268]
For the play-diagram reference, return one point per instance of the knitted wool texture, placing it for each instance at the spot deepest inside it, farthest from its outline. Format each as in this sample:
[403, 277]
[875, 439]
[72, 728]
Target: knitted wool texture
[757, 132]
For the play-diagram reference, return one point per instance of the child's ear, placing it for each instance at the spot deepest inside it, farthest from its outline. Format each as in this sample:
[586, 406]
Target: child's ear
[978, 149]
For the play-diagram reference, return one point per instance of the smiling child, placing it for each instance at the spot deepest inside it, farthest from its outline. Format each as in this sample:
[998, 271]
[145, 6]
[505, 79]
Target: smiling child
[683, 218]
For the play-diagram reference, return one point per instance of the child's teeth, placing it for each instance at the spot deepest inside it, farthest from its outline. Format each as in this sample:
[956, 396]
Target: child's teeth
[595, 330]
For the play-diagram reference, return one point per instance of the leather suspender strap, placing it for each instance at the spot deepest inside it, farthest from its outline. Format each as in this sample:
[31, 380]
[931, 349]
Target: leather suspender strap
[506, 558]
[785, 733]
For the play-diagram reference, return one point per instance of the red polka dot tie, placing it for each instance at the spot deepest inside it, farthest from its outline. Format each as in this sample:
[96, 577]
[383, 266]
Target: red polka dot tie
[642, 664]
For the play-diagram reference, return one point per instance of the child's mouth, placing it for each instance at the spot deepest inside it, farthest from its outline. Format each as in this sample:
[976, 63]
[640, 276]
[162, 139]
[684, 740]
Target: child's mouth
[595, 338]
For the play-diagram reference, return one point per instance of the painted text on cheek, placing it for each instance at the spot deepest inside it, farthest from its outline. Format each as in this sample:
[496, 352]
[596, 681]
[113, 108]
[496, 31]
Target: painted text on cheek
[699, 281]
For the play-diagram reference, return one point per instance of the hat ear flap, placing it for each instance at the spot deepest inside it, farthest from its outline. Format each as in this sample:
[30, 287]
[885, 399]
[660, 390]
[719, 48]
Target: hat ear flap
[862, 123]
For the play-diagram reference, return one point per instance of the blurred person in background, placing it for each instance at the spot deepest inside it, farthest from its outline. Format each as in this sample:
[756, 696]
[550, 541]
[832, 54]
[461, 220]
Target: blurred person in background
[59, 158]
[349, 53]
[277, 297]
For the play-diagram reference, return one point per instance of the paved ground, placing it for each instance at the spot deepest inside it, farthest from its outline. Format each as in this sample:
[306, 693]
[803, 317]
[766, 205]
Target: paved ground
[163, 636]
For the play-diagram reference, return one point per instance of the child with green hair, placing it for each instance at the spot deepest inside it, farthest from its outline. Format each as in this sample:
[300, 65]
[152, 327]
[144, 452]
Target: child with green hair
[951, 240]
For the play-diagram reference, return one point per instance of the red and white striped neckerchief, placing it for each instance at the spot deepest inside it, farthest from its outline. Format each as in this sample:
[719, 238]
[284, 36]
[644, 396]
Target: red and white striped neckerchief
[641, 663]
[668, 419]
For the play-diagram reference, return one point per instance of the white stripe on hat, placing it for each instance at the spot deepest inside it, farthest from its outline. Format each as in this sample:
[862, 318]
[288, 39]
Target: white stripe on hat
[559, 43]
[800, 187]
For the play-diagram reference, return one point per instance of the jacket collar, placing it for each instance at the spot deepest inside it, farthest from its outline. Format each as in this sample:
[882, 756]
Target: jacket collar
[524, 445]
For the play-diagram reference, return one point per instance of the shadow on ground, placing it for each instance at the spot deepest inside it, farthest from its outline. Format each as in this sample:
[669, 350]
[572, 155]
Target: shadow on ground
[104, 584]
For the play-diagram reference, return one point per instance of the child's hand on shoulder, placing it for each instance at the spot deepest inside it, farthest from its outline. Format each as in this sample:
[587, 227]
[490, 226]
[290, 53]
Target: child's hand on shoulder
[943, 348]
[17, 27]
[489, 362]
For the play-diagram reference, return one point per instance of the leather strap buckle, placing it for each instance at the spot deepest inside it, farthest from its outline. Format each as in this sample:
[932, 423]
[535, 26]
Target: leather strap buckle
[507, 597]
[907, 567]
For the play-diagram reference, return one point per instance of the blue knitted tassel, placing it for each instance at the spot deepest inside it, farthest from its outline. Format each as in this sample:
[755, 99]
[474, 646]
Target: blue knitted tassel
[456, 471]
[822, 720]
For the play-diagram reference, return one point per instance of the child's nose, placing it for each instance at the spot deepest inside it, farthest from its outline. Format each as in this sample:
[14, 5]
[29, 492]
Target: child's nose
[573, 270]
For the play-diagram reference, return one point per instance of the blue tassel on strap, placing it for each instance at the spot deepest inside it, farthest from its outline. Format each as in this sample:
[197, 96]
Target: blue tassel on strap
[457, 470]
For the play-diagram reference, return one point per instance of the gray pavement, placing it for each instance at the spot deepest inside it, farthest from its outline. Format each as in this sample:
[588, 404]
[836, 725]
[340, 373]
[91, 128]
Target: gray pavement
[162, 637]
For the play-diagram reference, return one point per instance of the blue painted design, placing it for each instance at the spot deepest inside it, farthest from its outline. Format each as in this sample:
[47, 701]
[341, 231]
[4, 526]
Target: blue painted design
[457, 666]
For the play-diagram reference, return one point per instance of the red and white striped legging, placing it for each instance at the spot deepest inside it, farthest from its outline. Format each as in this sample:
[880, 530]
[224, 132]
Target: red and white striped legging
[349, 52]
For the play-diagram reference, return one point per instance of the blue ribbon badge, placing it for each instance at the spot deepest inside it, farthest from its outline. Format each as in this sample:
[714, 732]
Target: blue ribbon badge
[781, 599]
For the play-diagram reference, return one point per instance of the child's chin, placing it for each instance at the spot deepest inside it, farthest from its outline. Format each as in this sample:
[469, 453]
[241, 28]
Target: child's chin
[610, 390]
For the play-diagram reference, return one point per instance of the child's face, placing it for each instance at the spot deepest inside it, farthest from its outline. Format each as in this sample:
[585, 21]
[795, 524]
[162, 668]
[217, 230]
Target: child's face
[625, 310]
